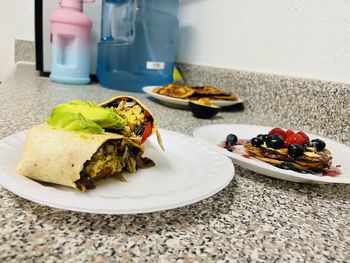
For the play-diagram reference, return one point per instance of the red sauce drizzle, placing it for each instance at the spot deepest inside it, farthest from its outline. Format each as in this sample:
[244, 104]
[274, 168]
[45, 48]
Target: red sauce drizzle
[332, 171]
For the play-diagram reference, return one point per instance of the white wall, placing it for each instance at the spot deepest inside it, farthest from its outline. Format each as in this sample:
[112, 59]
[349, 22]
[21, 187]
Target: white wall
[16, 22]
[295, 38]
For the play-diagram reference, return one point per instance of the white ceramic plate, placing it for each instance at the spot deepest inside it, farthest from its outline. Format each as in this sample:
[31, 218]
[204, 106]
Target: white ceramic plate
[213, 135]
[184, 174]
[181, 102]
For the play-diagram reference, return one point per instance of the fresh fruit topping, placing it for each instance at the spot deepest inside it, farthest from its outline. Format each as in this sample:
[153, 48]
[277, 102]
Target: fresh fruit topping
[256, 141]
[278, 131]
[294, 139]
[295, 150]
[231, 139]
[319, 144]
[274, 141]
[262, 136]
[305, 137]
[289, 133]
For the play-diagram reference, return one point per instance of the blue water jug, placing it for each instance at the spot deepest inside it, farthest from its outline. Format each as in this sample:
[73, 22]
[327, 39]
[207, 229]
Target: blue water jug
[138, 43]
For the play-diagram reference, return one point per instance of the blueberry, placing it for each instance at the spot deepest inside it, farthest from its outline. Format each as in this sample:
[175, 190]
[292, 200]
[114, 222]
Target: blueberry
[257, 142]
[274, 141]
[231, 139]
[295, 150]
[319, 144]
[263, 136]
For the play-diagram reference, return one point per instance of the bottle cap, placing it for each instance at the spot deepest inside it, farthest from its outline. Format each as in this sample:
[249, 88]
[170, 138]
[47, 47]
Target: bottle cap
[76, 4]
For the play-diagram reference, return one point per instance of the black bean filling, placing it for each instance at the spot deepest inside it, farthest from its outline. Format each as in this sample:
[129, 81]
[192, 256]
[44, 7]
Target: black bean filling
[111, 159]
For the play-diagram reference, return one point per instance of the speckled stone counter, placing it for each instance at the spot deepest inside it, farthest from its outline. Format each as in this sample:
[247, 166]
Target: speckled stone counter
[255, 218]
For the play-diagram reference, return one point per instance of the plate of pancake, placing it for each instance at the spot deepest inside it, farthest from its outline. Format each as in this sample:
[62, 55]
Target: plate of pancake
[179, 95]
[329, 165]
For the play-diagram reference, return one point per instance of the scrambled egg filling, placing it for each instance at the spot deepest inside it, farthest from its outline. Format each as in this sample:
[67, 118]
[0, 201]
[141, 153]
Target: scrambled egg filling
[110, 159]
[133, 118]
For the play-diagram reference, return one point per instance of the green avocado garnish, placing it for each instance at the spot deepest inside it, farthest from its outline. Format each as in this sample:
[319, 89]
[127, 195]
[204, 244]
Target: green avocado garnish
[104, 117]
[73, 122]
[84, 116]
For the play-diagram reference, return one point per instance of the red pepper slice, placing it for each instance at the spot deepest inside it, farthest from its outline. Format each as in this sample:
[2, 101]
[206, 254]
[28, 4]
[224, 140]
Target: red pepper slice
[147, 132]
[147, 114]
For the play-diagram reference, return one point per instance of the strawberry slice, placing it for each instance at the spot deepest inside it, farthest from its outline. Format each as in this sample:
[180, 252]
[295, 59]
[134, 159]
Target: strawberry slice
[294, 139]
[289, 133]
[305, 137]
[278, 131]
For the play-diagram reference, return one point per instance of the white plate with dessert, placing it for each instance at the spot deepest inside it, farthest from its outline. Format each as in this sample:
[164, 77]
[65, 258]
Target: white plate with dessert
[280, 153]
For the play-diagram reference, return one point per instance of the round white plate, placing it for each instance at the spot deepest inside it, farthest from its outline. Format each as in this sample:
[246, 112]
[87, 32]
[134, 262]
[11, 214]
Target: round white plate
[213, 135]
[181, 102]
[186, 172]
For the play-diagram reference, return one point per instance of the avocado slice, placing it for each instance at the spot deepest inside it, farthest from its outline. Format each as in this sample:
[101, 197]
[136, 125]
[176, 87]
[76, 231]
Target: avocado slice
[104, 117]
[73, 122]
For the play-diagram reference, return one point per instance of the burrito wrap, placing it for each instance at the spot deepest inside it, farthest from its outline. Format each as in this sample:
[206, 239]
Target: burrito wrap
[58, 156]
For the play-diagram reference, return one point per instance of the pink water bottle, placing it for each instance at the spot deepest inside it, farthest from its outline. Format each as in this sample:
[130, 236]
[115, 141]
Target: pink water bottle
[71, 31]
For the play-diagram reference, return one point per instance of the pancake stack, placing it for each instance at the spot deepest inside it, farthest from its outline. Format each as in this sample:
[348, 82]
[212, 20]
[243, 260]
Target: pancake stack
[290, 150]
[311, 160]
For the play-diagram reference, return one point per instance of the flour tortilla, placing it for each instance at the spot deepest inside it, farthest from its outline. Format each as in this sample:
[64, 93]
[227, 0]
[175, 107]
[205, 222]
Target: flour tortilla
[58, 156]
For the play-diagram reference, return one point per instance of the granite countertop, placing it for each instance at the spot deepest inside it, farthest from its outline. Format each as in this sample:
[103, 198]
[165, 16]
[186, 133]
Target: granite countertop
[255, 218]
